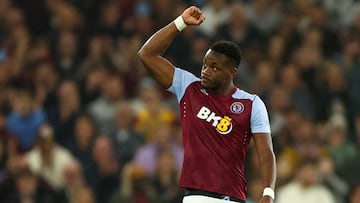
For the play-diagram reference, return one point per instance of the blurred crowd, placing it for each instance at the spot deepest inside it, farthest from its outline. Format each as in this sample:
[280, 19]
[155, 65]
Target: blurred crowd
[81, 121]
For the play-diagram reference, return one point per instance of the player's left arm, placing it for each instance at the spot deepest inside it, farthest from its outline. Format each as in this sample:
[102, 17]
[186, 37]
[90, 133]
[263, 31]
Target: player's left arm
[267, 163]
[260, 128]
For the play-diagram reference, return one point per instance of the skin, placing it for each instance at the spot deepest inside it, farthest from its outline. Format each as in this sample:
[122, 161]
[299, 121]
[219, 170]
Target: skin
[217, 75]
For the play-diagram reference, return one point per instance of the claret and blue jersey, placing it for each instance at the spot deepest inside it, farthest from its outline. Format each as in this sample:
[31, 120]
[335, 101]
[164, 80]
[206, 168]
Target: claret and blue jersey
[216, 133]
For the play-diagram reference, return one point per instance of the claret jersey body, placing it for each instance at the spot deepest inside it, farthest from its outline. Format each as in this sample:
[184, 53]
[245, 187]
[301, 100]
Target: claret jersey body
[216, 133]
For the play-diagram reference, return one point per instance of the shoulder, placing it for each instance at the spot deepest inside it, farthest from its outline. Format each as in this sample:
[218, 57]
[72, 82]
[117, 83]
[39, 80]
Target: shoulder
[256, 101]
[241, 94]
[181, 74]
[181, 81]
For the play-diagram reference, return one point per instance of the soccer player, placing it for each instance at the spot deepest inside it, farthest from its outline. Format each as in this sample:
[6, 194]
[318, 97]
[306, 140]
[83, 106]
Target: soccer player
[218, 119]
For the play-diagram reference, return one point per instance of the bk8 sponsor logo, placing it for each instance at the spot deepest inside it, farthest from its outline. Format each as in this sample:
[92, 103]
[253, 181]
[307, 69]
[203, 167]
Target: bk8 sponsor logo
[222, 124]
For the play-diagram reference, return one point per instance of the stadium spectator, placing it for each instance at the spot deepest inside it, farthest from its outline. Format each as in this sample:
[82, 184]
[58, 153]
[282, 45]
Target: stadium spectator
[305, 186]
[126, 140]
[29, 189]
[67, 55]
[64, 112]
[166, 178]
[103, 109]
[151, 110]
[135, 186]
[85, 133]
[48, 159]
[25, 119]
[73, 180]
[147, 154]
[107, 169]
[217, 13]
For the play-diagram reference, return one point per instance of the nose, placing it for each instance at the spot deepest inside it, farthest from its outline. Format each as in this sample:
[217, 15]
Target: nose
[206, 71]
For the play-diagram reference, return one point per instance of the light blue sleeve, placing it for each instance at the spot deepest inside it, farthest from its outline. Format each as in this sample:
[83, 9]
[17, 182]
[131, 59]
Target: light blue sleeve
[182, 79]
[259, 117]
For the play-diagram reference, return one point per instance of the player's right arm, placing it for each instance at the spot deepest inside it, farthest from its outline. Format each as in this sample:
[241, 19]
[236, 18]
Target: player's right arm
[153, 49]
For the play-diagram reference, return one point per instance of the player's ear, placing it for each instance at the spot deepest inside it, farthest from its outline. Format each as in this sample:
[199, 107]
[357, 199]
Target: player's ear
[233, 71]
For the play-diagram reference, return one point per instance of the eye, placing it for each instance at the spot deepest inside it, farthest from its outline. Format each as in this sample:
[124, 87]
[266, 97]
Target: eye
[214, 68]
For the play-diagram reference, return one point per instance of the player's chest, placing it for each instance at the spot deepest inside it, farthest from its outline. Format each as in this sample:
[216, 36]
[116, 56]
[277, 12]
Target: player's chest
[222, 114]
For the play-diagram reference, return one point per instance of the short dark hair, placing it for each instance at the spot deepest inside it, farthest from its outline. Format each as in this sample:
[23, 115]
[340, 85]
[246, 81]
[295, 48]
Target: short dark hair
[229, 49]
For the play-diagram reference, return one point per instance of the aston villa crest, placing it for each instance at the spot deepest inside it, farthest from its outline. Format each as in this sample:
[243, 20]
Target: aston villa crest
[237, 107]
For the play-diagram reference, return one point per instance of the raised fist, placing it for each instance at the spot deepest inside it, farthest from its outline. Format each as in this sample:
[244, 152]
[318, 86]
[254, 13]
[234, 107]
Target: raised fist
[193, 16]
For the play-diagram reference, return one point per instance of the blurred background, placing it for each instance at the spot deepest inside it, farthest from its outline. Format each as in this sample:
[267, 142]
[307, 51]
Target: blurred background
[82, 122]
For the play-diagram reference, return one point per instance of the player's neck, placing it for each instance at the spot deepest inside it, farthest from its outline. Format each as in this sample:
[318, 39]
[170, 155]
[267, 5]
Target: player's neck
[222, 91]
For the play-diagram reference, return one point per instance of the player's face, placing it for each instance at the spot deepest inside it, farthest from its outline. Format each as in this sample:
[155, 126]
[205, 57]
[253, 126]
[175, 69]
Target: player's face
[216, 73]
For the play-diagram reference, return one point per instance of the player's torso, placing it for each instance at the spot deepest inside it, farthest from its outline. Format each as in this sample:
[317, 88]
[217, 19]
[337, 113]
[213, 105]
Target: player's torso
[216, 135]
[216, 118]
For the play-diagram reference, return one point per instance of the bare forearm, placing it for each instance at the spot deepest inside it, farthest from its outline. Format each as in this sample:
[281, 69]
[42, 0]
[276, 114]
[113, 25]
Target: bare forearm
[157, 44]
[267, 165]
[160, 41]
[151, 55]
[151, 52]
[268, 169]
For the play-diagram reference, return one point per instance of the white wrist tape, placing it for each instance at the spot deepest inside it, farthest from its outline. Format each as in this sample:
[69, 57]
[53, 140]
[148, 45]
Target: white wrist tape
[268, 191]
[179, 23]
